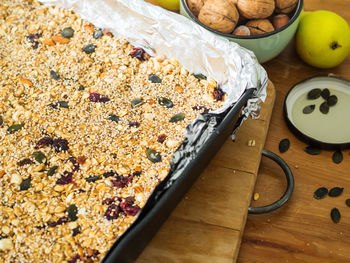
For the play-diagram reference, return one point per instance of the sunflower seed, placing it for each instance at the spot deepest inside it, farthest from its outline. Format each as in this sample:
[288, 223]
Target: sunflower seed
[25, 184]
[154, 78]
[136, 102]
[314, 94]
[313, 150]
[324, 108]
[113, 117]
[347, 202]
[153, 156]
[63, 104]
[52, 171]
[335, 215]
[39, 157]
[88, 49]
[309, 109]
[321, 193]
[177, 117]
[336, 191]
[54, 75]
[72, 211]
[337, 157]
[15, 127]
[165, 102]
[332, 100]
[284, 145]
[325, 93]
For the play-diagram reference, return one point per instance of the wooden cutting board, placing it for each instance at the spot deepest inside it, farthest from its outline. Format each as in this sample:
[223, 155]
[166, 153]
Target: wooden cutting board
[208, 224]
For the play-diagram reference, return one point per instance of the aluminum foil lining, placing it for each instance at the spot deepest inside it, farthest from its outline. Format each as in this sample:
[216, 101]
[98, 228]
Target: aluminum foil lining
[167, 34]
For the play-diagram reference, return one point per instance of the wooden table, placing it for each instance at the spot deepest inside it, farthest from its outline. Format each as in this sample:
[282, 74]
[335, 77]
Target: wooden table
[301, 231]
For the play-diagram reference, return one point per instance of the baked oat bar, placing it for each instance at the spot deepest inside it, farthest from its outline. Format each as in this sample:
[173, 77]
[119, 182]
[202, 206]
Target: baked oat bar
[88, 126]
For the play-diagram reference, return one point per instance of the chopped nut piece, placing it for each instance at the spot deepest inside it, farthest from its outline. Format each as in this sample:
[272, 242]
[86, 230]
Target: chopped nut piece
[60, 39]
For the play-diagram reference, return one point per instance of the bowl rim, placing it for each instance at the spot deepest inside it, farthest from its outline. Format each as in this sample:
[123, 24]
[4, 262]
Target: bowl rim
[299, 8]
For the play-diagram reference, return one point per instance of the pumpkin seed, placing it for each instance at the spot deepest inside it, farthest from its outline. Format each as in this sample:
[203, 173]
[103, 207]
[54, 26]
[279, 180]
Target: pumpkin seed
[153, 156]
[165, 102]
[347, 202]
[15, 127]
[136, 102]
[321, 193]
[336, 191]
[335, 215]
[52, 171]
[114, 117]
[309, 109]
[154, 78]
[97, 34]
[54, 75]
[93, 178]
[177, 117]
[88, 49]
[67, 32]
[81, 87]
[39, 157]
[1, 121]
[332, 100]
[337, 157]
[25, 184]
[199, 76]
[325, 94]
[284, 145]
[72, 211]
[324, 108]
[313, 150]
[314, 94]
[63, 104]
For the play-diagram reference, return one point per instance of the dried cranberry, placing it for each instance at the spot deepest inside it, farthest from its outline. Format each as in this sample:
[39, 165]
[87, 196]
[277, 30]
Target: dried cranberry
[73, 160]
[33, 38]
[161, 138]
[76, 258]
[43, 142]
[66, 178]
[218, 93]
[76, 231]
[121, 181]
[139, 53]
[112, 212]
[129, 207]
[60, 145]
[108, 174]
[205, 110]
[24, 162]
[97, 97]
[60, 221]
[134, 123]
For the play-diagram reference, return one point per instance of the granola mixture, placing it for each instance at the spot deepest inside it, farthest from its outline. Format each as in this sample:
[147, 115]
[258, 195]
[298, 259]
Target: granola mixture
[88, 126]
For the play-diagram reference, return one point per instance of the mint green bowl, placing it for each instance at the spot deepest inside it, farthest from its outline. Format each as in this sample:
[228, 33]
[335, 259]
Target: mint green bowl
[265, 46]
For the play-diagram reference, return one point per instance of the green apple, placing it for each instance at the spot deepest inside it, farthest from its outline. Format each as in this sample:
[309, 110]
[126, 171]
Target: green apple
[323, 39]
[173, 5]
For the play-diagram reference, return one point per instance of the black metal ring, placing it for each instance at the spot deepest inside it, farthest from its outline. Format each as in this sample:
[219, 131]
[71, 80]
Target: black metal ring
[287, 194]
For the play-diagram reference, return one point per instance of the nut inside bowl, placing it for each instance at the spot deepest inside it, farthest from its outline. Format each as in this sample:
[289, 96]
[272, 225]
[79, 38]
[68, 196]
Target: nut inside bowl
[265, 46]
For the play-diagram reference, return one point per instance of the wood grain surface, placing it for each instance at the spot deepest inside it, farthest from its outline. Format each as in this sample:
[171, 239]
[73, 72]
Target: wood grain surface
[301, 231]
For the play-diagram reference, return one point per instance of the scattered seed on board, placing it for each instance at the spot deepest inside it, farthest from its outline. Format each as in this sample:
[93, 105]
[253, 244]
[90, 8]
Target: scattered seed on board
[256, 196]
[324, 108]
[251, 143]
[347, 202]
[313, 150]
[336, 191]
[325, 94]
[337, 157]
[321, 193]
[309, 109]
[332, 100]
[335, 215]
[314, 94]
[284, 145]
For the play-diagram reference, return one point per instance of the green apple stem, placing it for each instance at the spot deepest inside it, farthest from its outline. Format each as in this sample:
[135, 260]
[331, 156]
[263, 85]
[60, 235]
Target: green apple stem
[334, 45]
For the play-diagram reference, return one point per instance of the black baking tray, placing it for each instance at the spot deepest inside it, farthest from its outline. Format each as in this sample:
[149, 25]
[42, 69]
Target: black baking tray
[160, 204]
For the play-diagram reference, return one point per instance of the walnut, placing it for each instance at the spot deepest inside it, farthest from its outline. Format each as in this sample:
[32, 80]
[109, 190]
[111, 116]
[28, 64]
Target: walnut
[260, 26]
[241, 31]
[280, 20]
[220, 15]
[256, 9]
[285, 6]
[195, 6]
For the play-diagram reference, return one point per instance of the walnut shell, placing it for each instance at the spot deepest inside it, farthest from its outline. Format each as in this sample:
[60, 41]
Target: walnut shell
[241, 31]
[256, 9]
[195, 6]
[285, 6]
[260, 26]
[220, 15]
[280, 20]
